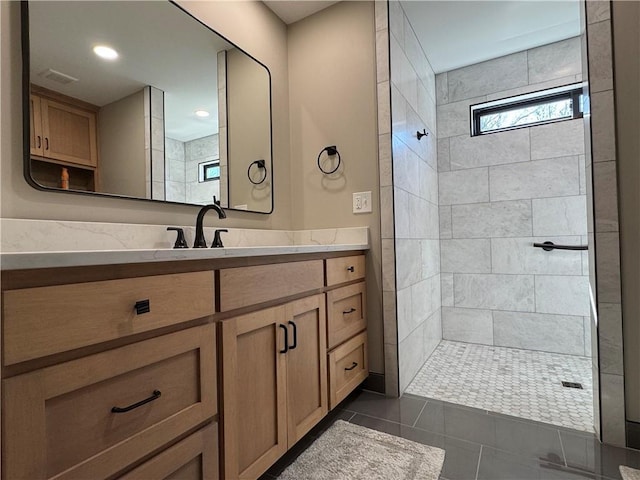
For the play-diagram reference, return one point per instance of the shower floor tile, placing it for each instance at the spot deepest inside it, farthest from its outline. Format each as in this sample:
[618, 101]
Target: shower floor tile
[521, 383]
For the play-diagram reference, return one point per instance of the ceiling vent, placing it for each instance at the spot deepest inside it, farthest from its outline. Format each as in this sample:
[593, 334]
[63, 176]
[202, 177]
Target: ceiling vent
[54, 75]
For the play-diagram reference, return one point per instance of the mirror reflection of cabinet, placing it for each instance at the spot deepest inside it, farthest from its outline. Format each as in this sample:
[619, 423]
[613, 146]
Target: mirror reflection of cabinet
[63, 134]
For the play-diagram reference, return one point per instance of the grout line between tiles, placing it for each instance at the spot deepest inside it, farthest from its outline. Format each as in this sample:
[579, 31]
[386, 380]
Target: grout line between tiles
[564, 456]
[420, 414]
[478, 466]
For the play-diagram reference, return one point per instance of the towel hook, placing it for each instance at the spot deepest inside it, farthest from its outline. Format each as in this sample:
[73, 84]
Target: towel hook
[420, 134]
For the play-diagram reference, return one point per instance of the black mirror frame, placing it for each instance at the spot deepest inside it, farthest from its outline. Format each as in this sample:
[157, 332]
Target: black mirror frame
[26, 114]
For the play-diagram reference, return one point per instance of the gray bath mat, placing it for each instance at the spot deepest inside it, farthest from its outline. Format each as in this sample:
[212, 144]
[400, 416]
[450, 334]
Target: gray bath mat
[351, 452]
[629, 473]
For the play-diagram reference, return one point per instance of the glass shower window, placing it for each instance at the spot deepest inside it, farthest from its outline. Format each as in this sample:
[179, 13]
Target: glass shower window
[563, 103]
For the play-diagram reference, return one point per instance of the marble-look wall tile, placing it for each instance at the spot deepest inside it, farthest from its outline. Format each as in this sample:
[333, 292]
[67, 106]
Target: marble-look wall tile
[408, 262]
[388, 265]
[555, 60]
[382, 15]
[454, 118]
[384, 158]
[175, 191]
[432, 333]
[535, 87]
[427, 108]
[487, 77]
[403, 76]
[402, 217]
[598, 10]
[582, 174]
[384, 108]
[608, 267]
[466, 256]
[423, 299]
[442, 89]
[560, 139]
[428, 179]
[495, 149]
[605, 196]
[563, 295]
[612, 409]
[444, 164]
[406, 325]
[406, 171]
[518, 256]
[559, 216]
[588, 345]
[390, 320]
[382, 55]
[486, 220]
[542, 332]
[411, 356]
[464, 186]
[467, 325]
[445, 221]
[494, 292]
[430, 258]
[396, 20]
[386, 212]
[600, 58]
[603, 139]
[611, 355]
[446, 285]
[542, 178]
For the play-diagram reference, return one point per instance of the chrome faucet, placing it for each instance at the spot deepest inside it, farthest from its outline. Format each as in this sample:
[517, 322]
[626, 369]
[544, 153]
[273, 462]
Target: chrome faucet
[201, 242]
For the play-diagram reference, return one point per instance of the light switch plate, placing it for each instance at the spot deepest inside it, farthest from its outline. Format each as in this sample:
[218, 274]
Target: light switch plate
[362, 202]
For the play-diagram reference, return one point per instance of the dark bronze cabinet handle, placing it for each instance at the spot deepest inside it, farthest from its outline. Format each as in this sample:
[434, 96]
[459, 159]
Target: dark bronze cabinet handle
[351, 310]
[46, 143]
[286, 338]
[295, 335]
[155, 396]
[351, 268]
[39, 141]
[354, 365]
[143, 306]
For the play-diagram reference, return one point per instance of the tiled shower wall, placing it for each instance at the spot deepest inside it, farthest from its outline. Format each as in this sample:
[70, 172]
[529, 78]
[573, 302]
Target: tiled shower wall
[182, 163]
[498, 194]
[415, 198]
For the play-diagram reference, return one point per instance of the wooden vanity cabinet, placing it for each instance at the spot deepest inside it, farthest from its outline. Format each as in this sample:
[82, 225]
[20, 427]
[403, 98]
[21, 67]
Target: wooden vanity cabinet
[63, 133]
[274, 383]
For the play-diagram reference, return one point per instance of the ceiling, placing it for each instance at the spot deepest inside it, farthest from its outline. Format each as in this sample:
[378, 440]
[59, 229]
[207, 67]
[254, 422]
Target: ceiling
[454, 34]
[62, 35]
[291, 11]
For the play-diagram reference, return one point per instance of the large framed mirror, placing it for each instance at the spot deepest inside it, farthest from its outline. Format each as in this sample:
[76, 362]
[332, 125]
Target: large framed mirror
[139, 99]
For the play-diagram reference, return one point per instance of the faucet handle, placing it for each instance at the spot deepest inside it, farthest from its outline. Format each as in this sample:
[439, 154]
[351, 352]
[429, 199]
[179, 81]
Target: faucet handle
[180, 241]
[216, 201]
[217, 241]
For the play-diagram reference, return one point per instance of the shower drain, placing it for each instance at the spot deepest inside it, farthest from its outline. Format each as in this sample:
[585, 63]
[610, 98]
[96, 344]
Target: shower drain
[572, 385]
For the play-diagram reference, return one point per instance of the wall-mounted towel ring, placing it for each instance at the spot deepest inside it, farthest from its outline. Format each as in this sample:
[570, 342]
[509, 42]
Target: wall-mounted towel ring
[331, 151]
[261, 165]
[422, 133]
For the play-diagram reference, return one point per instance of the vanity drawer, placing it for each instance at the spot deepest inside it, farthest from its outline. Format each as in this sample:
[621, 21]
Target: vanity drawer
[244, 286]
[348, 367]
[59, 421]
[46, 320]
[344, 269]
[194, 458]
[346, 307]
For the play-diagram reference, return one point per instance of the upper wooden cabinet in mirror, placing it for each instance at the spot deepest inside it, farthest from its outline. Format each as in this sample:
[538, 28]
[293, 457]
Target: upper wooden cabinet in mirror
[173, 112]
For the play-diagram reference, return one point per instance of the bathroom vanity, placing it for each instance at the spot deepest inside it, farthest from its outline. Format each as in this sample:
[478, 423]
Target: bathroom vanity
[200, 368]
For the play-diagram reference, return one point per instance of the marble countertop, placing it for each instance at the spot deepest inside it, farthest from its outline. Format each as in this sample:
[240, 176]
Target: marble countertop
[29, 260]
[28, 244]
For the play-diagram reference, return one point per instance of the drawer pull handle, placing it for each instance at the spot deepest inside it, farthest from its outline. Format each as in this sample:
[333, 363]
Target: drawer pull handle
[286, 339]
[143, 306]
[354, 365]
[156, 395]
[351, 268]
[39, 141]
[295, 335]
[351, 310]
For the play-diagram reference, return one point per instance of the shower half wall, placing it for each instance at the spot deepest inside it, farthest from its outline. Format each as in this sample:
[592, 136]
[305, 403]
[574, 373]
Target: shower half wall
[498, 194]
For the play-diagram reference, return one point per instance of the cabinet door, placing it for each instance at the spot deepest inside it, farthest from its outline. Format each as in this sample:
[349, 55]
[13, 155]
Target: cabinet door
[35, 123]
[254, 392]
[306, 366]
[69, 133]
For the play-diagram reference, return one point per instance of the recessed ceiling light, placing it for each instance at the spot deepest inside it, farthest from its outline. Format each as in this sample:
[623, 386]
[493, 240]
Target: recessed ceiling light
[202, 113]
[105, 52]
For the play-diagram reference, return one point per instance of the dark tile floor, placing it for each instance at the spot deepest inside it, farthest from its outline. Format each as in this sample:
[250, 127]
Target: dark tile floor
[478, 445]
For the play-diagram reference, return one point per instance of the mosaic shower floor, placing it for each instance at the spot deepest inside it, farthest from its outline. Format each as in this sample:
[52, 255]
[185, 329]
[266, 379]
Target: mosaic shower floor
[522, 383]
